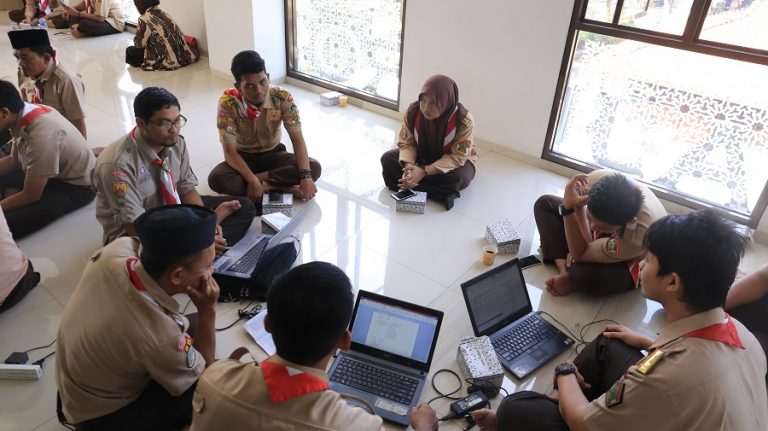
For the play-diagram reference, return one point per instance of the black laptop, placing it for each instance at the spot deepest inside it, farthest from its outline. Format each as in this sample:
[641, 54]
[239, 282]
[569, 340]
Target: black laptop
[499, 307]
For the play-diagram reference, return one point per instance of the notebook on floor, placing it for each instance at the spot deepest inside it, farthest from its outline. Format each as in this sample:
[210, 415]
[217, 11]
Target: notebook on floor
[240, 260]
[392, 346]
[499, 307]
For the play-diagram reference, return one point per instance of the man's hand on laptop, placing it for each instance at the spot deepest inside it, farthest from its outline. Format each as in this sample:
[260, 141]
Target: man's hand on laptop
[219, 242]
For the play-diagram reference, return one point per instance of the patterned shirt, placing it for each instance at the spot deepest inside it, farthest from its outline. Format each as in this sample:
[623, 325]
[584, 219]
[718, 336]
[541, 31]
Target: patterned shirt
[163, 41]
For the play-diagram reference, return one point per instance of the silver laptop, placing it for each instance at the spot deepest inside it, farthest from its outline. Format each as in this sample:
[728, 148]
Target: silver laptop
[499, 307]
[392, 346]
[240, 261]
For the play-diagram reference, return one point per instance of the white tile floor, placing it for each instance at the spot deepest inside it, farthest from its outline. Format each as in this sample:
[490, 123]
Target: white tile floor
[352, 223]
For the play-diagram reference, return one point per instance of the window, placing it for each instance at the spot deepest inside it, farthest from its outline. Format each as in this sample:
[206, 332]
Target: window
[671, 92]
[349, 46]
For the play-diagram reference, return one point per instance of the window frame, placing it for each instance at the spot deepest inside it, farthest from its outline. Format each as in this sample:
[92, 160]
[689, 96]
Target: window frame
[687, 41]
[290, 63]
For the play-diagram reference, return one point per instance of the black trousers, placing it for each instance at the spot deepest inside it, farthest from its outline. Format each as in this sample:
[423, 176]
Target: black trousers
[755, 317]
[26, 284]
[597, 278]
[601, 363]
[437, 187]
[58, 198]
[236, 225]
[88, 26]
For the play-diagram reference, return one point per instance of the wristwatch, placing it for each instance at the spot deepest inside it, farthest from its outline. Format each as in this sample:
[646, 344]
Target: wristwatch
[563, 211]
[563, 369]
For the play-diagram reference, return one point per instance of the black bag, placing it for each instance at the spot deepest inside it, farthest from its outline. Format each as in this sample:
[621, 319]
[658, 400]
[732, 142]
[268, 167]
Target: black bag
[275, 262]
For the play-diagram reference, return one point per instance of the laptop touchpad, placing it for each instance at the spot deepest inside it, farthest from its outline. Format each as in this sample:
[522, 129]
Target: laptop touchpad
[538, 354]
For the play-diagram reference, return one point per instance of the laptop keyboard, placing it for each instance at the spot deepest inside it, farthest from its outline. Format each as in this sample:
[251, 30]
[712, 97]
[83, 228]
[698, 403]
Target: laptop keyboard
[248, 261]
[527, 334]
[375, 380]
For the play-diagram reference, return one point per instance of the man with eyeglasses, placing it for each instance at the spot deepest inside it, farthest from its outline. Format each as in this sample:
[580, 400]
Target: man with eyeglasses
[249, 120]
[150, 167]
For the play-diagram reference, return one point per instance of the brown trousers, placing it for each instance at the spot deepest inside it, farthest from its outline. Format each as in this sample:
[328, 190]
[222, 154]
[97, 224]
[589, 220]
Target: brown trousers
[436, 186]
[602, 362]
[278, 163]
[597, 278]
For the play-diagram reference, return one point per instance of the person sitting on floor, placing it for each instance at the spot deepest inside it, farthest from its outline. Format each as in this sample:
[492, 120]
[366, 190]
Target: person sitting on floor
[43, 80]
[747, 301]
[150, 167]
[159, 43]
[32, 11]
[249, 120]
[704, 371]
[435, 153]
[91, 18]
[126, 358]
[17, 276]
[594, 233]
[309, 309]
[48, 173]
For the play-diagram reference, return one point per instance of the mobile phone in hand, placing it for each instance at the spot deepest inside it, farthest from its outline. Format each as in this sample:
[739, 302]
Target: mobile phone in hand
[527, 261]
[403, 194]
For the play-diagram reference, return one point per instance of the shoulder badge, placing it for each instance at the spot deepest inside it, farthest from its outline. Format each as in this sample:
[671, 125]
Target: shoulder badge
[645, 365]
[467, 122]
[120, 188]
[463, 148]
[612, 246]
[615, 395]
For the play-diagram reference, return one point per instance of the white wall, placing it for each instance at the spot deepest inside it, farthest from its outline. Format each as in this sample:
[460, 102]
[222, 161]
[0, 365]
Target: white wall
[190, 17]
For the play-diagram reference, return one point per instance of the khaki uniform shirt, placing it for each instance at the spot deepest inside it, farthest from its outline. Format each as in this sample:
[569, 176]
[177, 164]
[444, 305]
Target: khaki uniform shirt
[111, 10]
[50, 146]
[232, 396]
[699, 384]
[263, 132]
[13, 263]
[628, 243]
[462, 148]
[63, 91]
[127, 183]
[113, 338]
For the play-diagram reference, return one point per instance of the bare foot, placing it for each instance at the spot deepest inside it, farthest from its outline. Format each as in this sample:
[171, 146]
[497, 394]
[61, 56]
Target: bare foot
[77, 33]
[559, 285]
[225, 209]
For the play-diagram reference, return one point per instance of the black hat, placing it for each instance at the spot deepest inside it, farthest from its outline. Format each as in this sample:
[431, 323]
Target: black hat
[176, 230]
[28, 38]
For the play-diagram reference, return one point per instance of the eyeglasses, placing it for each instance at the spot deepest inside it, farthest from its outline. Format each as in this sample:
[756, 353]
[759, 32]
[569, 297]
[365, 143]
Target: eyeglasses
[166, 124]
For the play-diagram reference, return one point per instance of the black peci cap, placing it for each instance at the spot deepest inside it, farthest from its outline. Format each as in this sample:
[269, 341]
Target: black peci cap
[28, 38]
[176, 230]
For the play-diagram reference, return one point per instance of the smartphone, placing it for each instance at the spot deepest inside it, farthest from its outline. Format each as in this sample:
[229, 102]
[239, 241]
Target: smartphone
[527, 261]
[403, 194]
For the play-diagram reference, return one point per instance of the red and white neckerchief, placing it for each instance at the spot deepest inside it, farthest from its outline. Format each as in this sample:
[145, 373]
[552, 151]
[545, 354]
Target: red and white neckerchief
[286, 383]
[40, 84]
[245, 109]
[450, 129]
[167, 184]
[44, 6]
[130, 265]
[724, 332]
[32, 111]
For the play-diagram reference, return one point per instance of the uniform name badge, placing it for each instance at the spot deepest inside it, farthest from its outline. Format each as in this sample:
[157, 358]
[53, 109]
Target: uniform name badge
[274, 115]
[615, 394]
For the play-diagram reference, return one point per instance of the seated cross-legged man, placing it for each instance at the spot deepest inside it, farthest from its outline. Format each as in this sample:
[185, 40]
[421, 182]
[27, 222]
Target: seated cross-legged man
[594, 233]
[126, 358]
[249, 119]
[48, 173]
[704, 370]
[150, 167]
[309, 310]
[43, 80]
[91, 18]
[32, 11]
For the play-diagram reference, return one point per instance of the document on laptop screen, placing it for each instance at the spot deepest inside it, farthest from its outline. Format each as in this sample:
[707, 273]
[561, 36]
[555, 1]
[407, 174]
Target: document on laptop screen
[394, 330]
[496, 297]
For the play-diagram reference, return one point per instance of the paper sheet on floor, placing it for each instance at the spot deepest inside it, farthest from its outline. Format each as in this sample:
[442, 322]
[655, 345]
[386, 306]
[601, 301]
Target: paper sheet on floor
[255, 328]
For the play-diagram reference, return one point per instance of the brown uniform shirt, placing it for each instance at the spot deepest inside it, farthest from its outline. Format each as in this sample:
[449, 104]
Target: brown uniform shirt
[63, 91]
[232, 396]
[699, 384]
[50, 146]
[127, 183]
[111, 10]
[462, 148]
[114, 338]
[263, 132]
[628, 243]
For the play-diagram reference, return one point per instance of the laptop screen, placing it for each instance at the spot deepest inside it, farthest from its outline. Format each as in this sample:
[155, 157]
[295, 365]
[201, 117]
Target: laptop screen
[395, 328]
[496, 298]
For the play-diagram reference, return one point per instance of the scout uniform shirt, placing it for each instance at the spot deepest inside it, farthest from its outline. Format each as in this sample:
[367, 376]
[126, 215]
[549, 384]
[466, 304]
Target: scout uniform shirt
[459, 138]
[256, 129]
[704, 372]
[278, 395]
[111, 10]
[13, 263]
[119, 330]
[60, 89]
[128, 182]
[47, 145]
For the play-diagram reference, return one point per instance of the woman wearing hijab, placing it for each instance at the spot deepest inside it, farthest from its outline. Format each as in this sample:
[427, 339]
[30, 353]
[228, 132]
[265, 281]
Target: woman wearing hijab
[159, 43]
[435, 151]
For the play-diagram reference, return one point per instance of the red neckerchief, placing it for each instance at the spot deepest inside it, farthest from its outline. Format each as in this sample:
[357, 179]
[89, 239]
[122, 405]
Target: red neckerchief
[245, 108]
[34, 113]
[285, 383]
[725, 333]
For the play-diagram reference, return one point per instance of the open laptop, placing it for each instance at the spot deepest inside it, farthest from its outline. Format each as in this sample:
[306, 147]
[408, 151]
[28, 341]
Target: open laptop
[499, 307]
[392, 346]
[241, 260]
